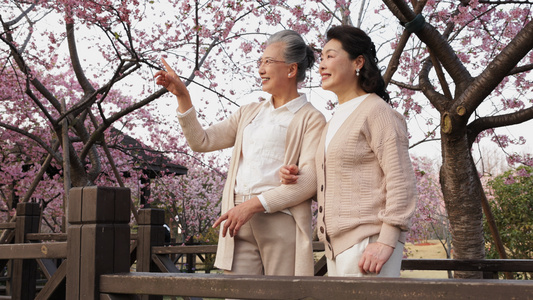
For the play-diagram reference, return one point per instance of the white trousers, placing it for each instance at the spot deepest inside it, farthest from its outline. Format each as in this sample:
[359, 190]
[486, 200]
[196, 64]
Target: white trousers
[346, 264]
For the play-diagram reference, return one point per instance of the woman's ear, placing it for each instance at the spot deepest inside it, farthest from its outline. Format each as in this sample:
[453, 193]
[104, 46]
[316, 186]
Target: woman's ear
[359, 62]
[293, 69]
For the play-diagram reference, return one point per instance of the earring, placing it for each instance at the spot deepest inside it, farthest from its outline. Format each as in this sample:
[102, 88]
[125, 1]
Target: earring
[357, 72]
[290, 75]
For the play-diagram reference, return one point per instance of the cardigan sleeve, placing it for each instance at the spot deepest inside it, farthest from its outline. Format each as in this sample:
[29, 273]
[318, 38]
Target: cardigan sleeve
[300, 150]
[216, 137]
[390, 143]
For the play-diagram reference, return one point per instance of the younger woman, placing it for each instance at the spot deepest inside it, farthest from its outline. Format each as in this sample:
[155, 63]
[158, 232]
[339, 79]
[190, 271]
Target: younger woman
[366, 184]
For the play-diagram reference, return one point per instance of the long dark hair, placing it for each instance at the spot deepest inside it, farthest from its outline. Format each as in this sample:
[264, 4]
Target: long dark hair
[356, 42]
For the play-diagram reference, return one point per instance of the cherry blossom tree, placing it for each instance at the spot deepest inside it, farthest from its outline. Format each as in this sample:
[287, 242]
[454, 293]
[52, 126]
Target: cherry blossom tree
[465, 56]
[73, 72]
[430, 220]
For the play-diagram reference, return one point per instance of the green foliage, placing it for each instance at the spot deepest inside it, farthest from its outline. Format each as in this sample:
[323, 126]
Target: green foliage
[512, 207]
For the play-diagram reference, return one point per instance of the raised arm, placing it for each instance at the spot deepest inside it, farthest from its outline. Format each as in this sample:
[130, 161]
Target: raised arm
[171, 81]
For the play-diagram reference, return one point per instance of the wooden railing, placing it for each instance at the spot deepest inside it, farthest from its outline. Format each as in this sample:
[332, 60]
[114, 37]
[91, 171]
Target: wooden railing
[95, 261]
[338, 288]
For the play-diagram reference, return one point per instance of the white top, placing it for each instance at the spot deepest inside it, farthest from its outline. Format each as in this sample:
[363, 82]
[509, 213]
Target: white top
[263, 148]
[342, 112]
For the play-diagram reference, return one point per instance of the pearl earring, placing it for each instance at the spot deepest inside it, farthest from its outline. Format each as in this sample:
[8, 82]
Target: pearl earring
[357, 72]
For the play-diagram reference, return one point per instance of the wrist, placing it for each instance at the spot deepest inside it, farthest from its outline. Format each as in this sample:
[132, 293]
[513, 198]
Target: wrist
[184, 103]
[256, 205]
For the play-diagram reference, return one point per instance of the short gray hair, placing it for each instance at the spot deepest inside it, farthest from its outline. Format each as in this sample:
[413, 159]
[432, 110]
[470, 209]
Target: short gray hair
[296, 51]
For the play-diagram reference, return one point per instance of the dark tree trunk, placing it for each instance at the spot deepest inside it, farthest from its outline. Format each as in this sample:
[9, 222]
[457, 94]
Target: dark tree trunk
[462, 192]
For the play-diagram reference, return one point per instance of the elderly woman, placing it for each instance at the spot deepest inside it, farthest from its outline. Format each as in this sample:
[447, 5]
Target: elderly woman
[266, 226]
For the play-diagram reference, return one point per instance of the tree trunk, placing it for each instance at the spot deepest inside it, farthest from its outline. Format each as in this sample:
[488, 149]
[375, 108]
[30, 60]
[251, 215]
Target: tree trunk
[462, 190]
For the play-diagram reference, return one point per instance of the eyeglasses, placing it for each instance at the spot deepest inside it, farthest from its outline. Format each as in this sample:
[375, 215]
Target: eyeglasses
[268, 61]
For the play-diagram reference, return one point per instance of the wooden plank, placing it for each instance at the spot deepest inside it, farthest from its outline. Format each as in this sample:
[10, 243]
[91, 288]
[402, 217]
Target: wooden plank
[8, 236]
[98, 204]
[37, 250]
[133, 252]
[206, 249]
[485, 265]
[143, 248]
[55, 287]
[74, 258]
[321, 266]
[96, 257]
[122, 205]
[121, 246]
[118, 297]
[75, 199]
[8, 225]
[318, 246]
[47, 266]
[151, 216]
[281, 287]
[185, 249]
[46, 236]
[28, 209]
[24, 271]
[164, 263]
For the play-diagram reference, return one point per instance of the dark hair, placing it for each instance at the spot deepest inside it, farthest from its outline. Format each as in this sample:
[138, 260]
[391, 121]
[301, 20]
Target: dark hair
[296, 51]
[356, 42]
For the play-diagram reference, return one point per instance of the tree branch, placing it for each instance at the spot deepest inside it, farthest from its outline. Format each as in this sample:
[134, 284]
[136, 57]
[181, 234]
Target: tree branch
[17, 55]
[75, 60]
[88, 100]
[437, 99]
[406, 86]
[521, 69]
[22, 15]
[435, 41]
[497, 69]
[498, 2]
[115, 169]
[34, 138]
[98, 133]
[394, 62]
[481, 124]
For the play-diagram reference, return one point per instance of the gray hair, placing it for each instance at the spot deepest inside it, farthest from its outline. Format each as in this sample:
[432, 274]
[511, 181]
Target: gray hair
[296, 51]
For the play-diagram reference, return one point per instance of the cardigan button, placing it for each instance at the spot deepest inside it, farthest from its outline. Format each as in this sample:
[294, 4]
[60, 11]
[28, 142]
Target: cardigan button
[322, 188]
[320, 209]
[321, 229]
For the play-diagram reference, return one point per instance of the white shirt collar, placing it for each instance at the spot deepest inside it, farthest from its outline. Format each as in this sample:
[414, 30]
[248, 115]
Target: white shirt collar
[293, 106]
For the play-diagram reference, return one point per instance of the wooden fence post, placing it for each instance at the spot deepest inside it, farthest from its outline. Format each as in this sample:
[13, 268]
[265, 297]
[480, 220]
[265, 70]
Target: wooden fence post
[24, 271]
[98, 238]
[150, 233]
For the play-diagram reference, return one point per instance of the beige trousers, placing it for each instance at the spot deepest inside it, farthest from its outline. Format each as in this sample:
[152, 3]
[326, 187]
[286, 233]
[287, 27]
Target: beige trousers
[265, 245]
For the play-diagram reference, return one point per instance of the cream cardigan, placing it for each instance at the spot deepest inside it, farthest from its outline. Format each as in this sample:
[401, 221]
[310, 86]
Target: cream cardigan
[302, 139]
[366, 183]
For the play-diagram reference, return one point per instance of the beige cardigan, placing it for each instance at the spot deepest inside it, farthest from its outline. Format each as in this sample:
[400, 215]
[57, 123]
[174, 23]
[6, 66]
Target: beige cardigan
[366, 183]
[302, 139]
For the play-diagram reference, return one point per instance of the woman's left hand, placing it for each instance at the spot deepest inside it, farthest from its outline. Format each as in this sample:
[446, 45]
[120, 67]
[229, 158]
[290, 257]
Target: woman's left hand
[374, 257]
[238, 216]
[288, 174]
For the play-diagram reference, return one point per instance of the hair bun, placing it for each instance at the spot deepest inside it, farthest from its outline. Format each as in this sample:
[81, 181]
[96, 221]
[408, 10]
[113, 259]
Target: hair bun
[310, 56]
